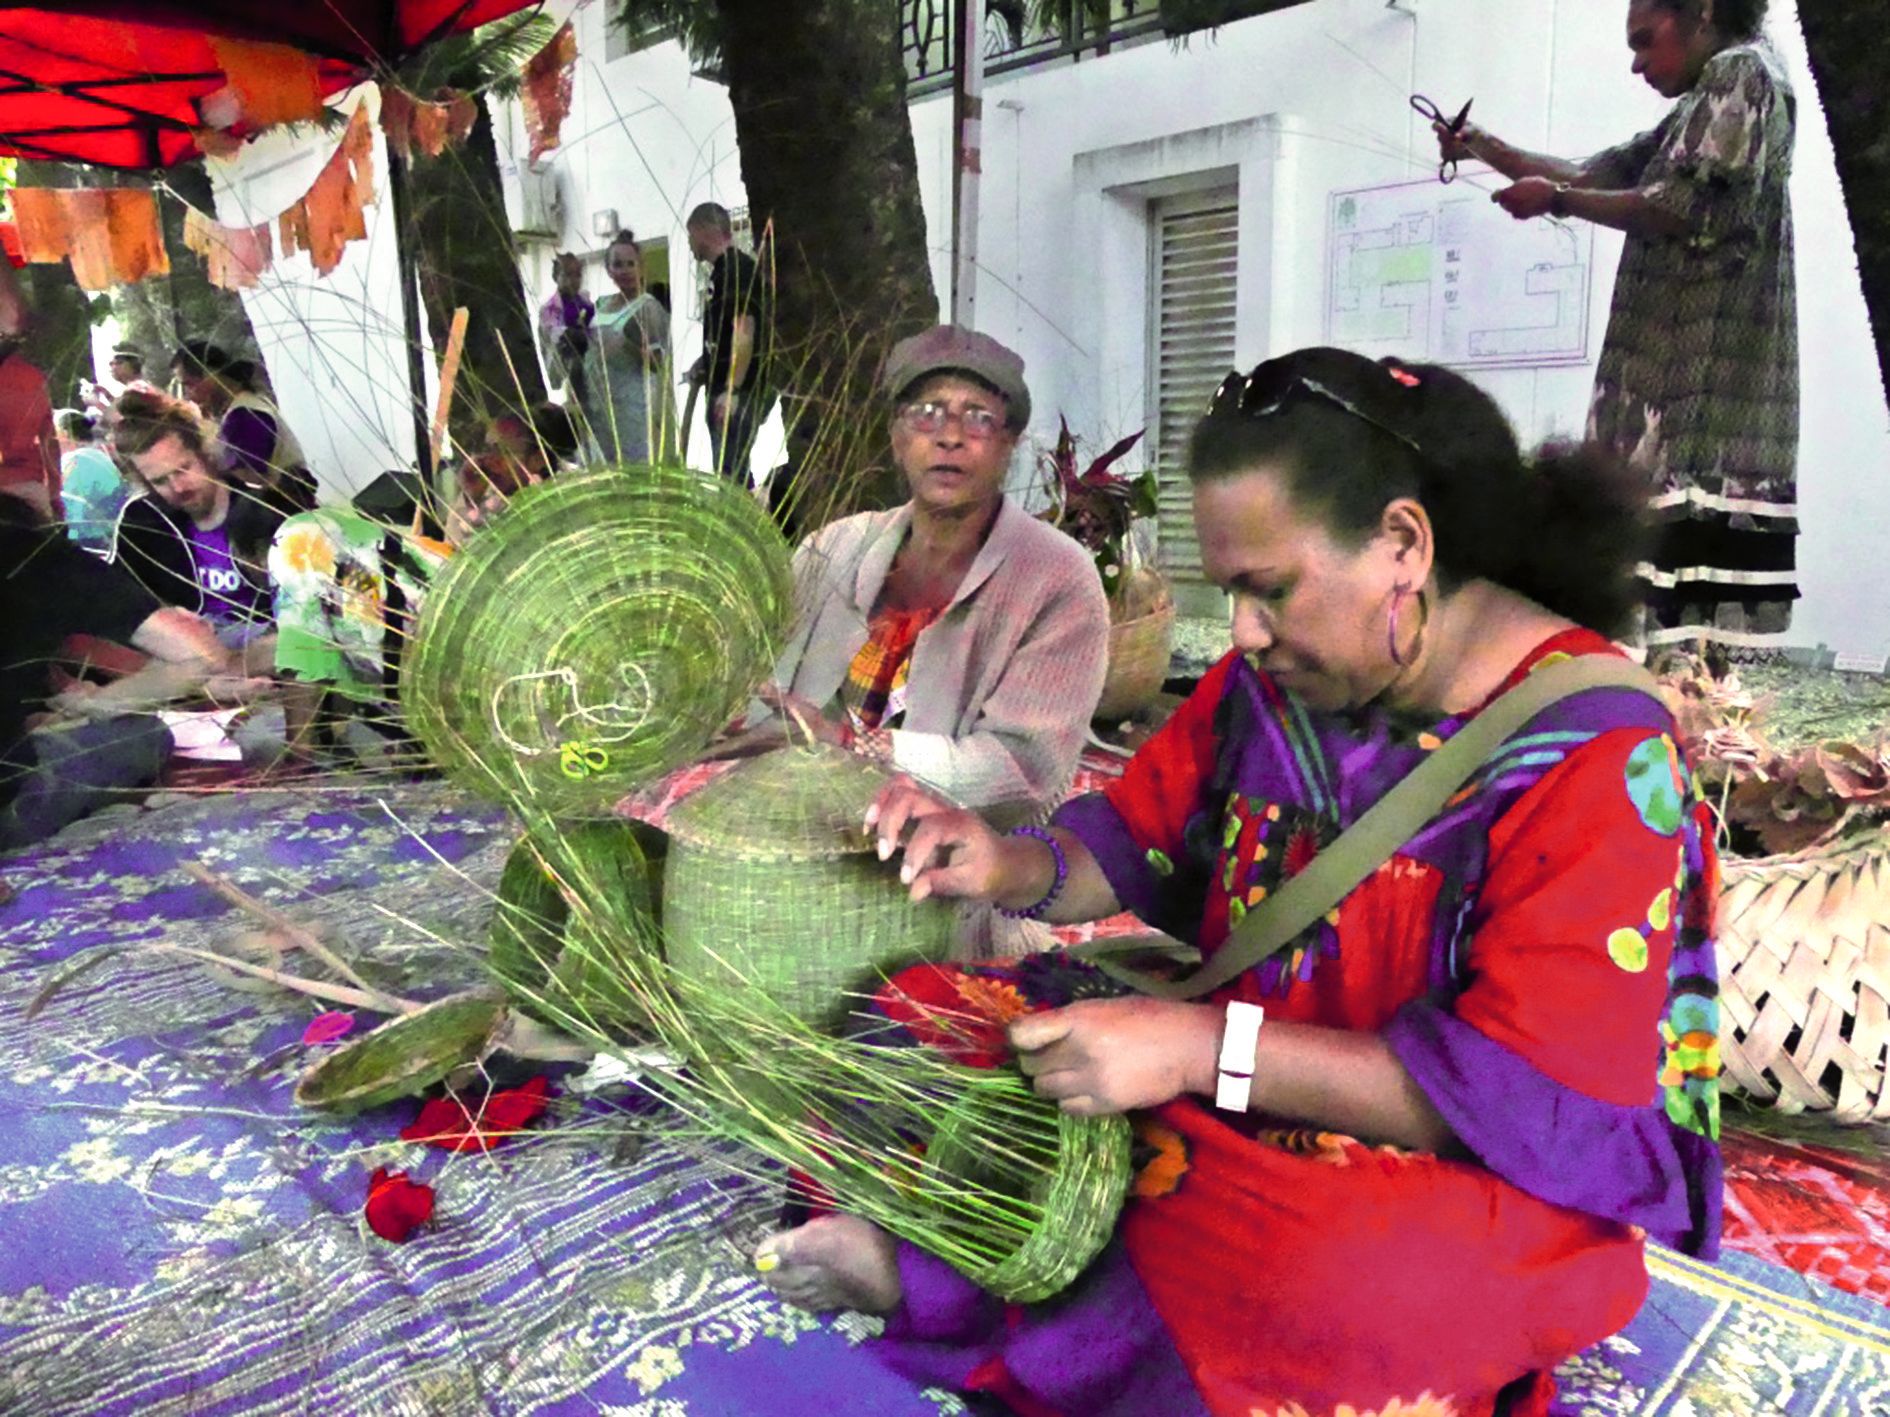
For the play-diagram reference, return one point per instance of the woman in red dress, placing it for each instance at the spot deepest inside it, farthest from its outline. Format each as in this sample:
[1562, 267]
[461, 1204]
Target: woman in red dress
[1478, 1085]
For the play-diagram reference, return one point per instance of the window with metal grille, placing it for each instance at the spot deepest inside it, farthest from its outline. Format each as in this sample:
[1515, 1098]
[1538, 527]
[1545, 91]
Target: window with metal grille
[1193, 258]
[624, 37]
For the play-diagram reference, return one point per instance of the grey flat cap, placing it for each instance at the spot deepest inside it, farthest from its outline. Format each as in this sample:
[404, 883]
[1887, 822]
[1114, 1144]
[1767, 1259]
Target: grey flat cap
[945, 349]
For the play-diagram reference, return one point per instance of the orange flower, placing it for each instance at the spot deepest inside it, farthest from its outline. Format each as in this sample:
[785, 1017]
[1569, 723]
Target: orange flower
[309, 552]
[995, 1000]
[1162, 1175]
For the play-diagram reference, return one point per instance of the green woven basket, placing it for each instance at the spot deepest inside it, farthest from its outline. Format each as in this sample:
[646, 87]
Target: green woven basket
[1070, 1173]
[598, 634]
[551, 966]
[772, 887]
[404, 1056]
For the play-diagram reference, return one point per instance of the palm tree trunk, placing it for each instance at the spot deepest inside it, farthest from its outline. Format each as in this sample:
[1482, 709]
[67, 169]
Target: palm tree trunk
[466, 256]
[1849, 51]
[819, 93]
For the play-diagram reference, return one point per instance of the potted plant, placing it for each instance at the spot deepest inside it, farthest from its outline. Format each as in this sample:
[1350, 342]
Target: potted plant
[1099, 509]
[1804, 904]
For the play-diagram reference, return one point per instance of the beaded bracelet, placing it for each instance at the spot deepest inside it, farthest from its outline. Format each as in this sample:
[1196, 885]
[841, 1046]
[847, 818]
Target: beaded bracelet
[1042, 907]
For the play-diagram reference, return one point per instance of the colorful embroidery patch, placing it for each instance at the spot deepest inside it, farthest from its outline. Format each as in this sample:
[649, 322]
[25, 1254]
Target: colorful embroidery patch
[1655, 786]
[1627, 947]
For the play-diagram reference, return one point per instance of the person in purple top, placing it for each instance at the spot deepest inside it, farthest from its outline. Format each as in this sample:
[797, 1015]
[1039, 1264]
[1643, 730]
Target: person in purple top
[256, 448]
[194, 539]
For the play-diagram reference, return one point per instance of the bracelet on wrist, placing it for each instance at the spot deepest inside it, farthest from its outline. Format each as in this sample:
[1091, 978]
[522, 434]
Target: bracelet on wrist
[1240, 1036]
[1042, 907]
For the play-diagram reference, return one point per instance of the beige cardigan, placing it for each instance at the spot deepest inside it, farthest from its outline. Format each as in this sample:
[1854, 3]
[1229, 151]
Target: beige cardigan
[1002, 684]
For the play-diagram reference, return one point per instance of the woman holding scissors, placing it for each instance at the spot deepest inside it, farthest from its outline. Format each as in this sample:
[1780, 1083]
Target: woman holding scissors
[1698, 381]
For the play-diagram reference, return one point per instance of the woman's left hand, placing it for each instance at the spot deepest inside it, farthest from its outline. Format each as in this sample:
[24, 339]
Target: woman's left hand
[1530, 197]
[801, 719]
[1103, 1056]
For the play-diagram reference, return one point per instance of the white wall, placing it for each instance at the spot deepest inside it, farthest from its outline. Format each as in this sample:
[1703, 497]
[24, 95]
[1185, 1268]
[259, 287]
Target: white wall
[335, 345]
[1294, 105]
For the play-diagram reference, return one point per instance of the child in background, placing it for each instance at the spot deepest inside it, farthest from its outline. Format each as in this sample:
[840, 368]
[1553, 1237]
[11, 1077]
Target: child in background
[564, 324]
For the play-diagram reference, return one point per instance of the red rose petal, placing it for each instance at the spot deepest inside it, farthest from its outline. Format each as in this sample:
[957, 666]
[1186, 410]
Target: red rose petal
[396, 1206]
[446, 1123]
[326, 1028]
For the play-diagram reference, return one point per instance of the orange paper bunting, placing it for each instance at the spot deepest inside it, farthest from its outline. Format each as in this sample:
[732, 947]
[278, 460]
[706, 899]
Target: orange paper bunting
[110, 234]
[273, 83]
[234, 256]
[547, 91]
[410, 122]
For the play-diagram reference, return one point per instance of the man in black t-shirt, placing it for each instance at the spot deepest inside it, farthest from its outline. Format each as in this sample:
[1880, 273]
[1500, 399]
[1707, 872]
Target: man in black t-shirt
[100, 745]
[737, 330]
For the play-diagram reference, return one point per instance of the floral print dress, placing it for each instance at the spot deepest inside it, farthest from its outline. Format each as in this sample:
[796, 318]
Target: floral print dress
[1698, 380]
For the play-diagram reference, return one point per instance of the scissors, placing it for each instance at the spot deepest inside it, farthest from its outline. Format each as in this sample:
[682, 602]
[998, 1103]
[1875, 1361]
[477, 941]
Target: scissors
[1447, 169]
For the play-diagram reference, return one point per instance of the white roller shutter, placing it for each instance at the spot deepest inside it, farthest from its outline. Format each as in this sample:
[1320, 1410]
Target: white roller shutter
[1193, 251]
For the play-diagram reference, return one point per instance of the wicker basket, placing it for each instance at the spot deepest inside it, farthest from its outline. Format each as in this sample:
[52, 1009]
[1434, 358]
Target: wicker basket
[1804, 957]
[1076, 1173]
[1139, 651]
[544, 960]
[597, 635]
[771, 885]
[404, 1056]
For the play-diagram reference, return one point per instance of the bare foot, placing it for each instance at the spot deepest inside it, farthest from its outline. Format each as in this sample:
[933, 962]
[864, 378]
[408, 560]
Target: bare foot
[833, 1262]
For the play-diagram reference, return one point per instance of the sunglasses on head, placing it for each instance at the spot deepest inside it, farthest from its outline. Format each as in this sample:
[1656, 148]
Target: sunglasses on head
[1270, 389]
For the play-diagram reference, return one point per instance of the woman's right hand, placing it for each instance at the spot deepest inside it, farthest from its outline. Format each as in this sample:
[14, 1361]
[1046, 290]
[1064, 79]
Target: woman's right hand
[949, 852]
[1459, 146]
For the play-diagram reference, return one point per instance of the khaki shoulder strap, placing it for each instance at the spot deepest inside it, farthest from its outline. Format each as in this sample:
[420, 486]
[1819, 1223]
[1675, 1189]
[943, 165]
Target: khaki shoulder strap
[1393, 820]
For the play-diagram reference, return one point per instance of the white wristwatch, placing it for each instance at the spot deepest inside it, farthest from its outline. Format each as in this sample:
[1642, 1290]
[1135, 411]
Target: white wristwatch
[1240, 1037]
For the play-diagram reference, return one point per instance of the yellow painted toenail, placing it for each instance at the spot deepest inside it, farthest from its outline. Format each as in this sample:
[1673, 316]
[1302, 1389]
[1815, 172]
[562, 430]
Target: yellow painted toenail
[767, 1261]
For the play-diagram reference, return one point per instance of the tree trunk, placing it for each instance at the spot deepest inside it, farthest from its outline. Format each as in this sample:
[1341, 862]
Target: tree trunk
[819, 93]
[466, 256]
[159, 314]
[1849, 50]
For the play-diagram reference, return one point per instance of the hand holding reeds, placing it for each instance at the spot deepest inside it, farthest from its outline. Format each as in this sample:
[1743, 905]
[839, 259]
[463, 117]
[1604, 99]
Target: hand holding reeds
[1102, 1056]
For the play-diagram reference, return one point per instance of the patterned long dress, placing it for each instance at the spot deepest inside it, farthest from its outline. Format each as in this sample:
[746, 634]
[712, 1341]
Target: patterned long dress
[1539, 958]
[1698, 380]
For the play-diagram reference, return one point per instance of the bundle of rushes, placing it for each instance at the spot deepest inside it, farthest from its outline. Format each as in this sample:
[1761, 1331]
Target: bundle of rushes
[596, 635]
[967, 1163]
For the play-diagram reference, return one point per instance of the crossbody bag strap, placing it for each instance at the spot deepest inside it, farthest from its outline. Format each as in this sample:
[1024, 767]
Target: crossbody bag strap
[1393, 820]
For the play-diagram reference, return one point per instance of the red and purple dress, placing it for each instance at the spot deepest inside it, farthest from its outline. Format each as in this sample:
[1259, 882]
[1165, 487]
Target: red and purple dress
[1540, 959]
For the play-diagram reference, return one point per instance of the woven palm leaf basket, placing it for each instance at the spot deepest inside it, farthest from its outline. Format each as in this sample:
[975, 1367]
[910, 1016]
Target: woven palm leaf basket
[772, 886]
[596, 635]
[1804, 956]
[1139, 654]
[551, 965]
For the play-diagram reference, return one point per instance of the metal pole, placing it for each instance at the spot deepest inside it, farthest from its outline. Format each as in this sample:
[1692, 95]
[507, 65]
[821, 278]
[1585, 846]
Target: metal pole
[405, 240]
[967, 154]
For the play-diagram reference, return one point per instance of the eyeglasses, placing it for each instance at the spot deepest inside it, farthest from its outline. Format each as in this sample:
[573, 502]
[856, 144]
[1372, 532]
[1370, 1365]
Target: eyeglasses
[1262, 397]
[976, 423]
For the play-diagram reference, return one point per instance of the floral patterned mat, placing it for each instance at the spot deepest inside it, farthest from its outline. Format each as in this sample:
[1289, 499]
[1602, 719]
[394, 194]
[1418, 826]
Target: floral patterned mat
[183, 1240]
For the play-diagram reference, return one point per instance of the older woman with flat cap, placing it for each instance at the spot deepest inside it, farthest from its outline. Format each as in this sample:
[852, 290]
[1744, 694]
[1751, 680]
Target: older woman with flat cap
[955, 638]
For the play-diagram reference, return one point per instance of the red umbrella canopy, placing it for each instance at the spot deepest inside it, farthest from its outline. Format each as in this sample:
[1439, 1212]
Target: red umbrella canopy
[118, 84]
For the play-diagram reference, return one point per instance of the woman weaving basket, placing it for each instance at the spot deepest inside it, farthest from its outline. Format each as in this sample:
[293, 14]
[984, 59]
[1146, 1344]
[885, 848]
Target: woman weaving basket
[955, 638]
[1408, 1162]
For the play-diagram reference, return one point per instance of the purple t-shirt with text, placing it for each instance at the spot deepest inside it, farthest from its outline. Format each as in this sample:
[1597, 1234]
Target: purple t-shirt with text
[228, 595]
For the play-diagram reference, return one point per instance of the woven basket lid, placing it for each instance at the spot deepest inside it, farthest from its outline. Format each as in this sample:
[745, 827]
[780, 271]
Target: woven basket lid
[795, 804]
[598, 634]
